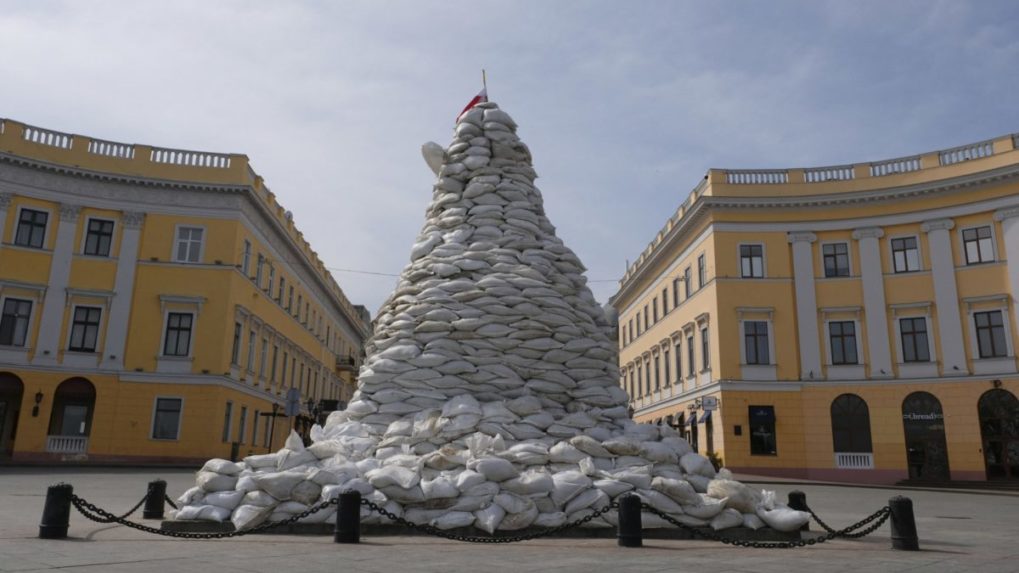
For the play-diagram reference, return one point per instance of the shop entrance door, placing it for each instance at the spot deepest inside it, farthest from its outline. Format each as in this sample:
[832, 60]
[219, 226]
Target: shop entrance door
[926, 448]
[11, 390]
[999, 431]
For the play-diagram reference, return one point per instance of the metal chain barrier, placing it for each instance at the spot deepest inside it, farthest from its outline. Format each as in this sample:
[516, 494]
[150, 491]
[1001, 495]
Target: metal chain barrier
[844, 532]
[90, 511]
[432, 530]
[124, 515]
[170, 502]
[880, 516]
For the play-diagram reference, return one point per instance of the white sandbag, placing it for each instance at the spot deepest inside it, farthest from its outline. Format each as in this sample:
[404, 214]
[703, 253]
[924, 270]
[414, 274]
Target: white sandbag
[446, 458]
[530, 482]
[639, 476]
[751, 521]
[659, 501]
[259, 498]
[221, 466]
[567, 485]
[326, 449]
[294, 442]
[489, 488]
[678, 445]
[694, 463]
[513, 503]
[742, 497]
[453, 520]
[462, 404]
[293, 458]
[613, 487]
[783, 518]
[248, 516]
[279, 484]
[488, 519]
[622, 446]
[213, 513]
[707, 509]
[471, 502]
[554, 519]
[323, 515]
[700, 483]
[192, 496]
[679, 490]
[526, 453]
[188, 512]
[306, 492]
[590, 446]
[261, 461]
[593, 497]
[225, 499]
[564, 452]
[404, 495]
[246, 484]
[517, 521]
[441, 487]
[211, 481]
[494, 469]
[467, 479]
[359, 485]
[658, 452]
[727, 519]
[324, 477]
[393, 475]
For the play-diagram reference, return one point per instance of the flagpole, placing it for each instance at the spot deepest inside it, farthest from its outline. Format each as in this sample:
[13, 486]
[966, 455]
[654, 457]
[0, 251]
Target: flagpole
[484, 80]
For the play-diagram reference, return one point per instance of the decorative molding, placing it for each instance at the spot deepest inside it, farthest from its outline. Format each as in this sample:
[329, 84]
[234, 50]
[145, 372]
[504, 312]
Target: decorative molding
[937, 225]
[1006, 213]
[768, 310]
[5, 200]
[991, 298]
[840, 310]
[896, 308]
[703, 318]
[69, 213]
[133, 219]
[868, 233]
[801, 237]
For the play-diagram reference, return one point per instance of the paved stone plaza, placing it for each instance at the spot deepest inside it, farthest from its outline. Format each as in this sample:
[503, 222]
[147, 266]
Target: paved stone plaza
[958, 532]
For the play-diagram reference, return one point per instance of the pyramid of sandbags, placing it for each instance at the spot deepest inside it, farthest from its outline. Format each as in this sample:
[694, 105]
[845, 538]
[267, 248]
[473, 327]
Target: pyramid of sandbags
[489, 394]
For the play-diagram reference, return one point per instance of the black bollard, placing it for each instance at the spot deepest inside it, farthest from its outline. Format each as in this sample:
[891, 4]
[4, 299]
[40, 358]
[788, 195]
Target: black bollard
[56, 514]
[798, 501]
[348, 518]
[630, 529]
[904, 535]
[155, 500]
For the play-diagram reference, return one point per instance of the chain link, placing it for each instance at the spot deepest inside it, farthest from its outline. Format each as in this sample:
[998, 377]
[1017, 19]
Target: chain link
[847, 533]
[124, 515]
[432, 530]
[170, 502]
[880, 515]
[90, 511]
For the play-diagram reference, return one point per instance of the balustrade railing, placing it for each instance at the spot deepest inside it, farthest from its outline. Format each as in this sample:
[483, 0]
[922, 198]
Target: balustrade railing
[756, 176]
[67, 444]
[111, 149]
[833, 173]
[892, 166]
[966, 152]
[190, 158]
[48, 137]
[854, 461]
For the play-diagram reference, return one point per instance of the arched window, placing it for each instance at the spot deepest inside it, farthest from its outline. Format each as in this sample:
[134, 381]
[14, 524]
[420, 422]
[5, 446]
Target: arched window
[999, 431]
[11, 390]
[850, 424]
[73, 403]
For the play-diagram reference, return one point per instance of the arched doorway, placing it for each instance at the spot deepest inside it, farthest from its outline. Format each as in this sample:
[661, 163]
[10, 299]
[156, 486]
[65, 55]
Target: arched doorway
[850, 432]
[11, 391]
[999, 431]
[71, 418]
[926, 448]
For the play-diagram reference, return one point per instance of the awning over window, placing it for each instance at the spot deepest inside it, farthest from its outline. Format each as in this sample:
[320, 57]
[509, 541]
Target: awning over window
[762, 414]
[705, 416]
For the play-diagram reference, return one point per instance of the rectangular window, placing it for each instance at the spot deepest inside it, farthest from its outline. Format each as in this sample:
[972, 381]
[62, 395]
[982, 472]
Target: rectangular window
[178, 334]
[283, 374]
[98, 237]
[665, 364]
[630, 328]
[639, 329]
[243, 424]
[262, 357]
[836, 259]
[246, 259]
[905, 255]
[254, 428]
[990, 334]
[755, 342]
[654, 310]
[290, 300]
[751, 261]
[705, 350]
[679, 361]
[14, 322]
[843, 342]
[675, 293]
[690, 369]
[235, 350]
[687, 282]
[658, 381]
[702, 272]
[272, 279]
[647, 378]
[297, 311]
[640, 387]
[259, 267]
[251, 350]
[647, 323]
[665, 301]
[283, 288]
[85, 329]
[228, 421]
[31, 228]
[762, 431]
[189, 245]
[978, 244]
[266, 438]
[166, 419]
[914, 340]
[275, 354]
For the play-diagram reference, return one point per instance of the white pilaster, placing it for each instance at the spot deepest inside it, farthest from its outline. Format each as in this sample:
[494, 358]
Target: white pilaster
[55, 302]
[123, 291]
[1009, 218]
[874, 301]
[5, 202]
[946, 297]
[806, 305]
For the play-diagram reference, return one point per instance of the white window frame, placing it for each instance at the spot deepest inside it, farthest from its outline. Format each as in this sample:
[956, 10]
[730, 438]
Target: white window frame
[201, 244]
[84, 236]
[252, 342]
[743, 341]
[246, 258]
[180, 418]
[849, 255]
[191, 341]
[845, 371]
[242, 424]
[764, 260]
[45, 234]
[31, 317]
[919, 253]
[997, 364]
[228, 422]
[916, 369]
[99, 334]
[994, 244]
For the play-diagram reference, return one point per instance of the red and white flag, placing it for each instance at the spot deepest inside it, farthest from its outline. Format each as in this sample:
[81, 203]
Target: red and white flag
[481, 97]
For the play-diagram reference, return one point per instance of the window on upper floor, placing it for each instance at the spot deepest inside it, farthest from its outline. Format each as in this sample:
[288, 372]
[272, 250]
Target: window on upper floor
[189, 245]
[166, 418]
[98, 237]
[665, 301]
[262, 357]
[31, 231]
[85, 329]
[702, 271]
[913, 332]
[666, 375]
[290, 299]
[675, 293]
[640, 387]
[235, 349]
[177, 341]
[639, 327]
[657, 367]
[751, 261]
[14, 322]
[246, 259]
[259, 269]
[679, 361]
[630, 331]
[690, 369]
[654, 310]
[978, 245]
[282, 291]
[755, 342]
[297, 311]
[243, 424]
[705, 350]
[228, 416]
[905, 255]
[842, 336]
[836, 259]
[272, 280]
[275, 355]
[647, 323]
[990, 329]
[252, 337]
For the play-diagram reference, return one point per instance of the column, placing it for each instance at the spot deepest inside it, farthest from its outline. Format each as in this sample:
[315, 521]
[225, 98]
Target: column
[123, 292]
[5, 202]
[946, 297]
[1009, 218]
[874, 301]
[55, 301]
[806, 305]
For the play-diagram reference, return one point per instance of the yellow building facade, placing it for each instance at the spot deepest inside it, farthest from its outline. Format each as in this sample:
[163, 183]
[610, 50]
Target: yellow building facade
[851, 323]
[158, 306]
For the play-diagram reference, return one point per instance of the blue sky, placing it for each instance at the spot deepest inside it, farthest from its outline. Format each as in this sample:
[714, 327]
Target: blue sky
[624, 105]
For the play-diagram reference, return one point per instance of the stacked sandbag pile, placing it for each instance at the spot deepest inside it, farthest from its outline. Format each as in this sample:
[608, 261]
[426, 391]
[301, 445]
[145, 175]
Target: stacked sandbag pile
[489, 395]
